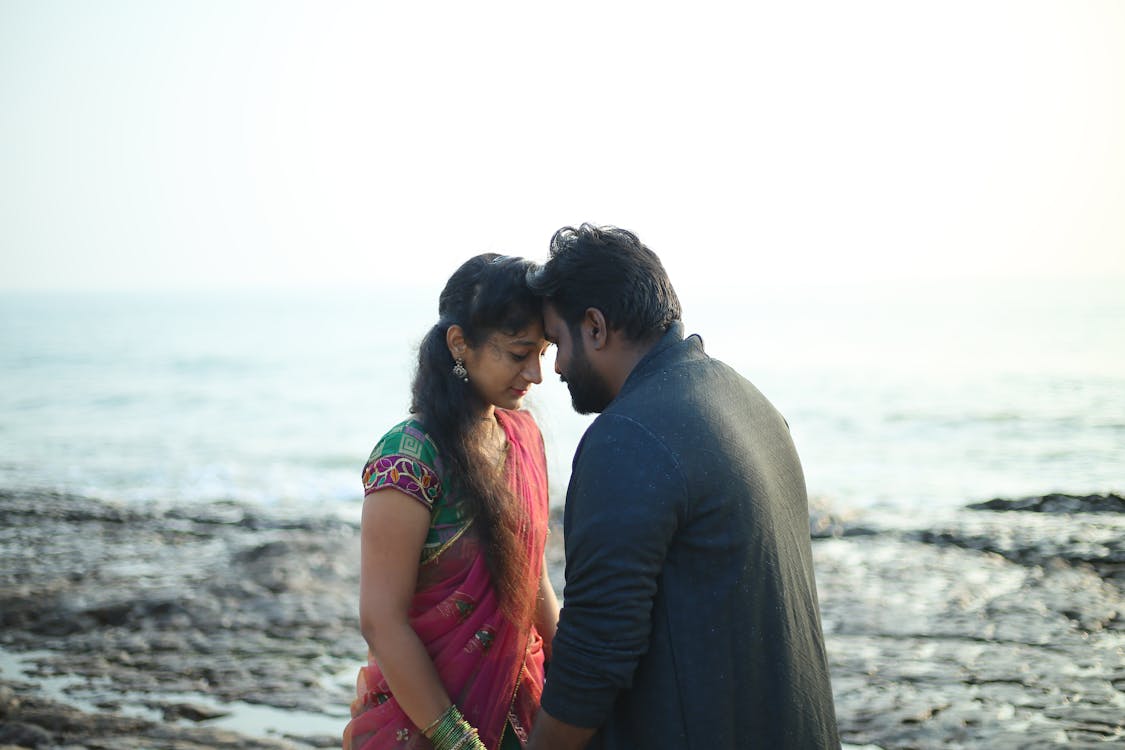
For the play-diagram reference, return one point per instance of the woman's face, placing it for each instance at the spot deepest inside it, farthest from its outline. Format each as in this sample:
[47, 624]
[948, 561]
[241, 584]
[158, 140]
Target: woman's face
[503, 368]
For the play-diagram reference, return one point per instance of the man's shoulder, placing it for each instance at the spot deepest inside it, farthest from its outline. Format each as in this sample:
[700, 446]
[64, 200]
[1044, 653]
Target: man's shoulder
[625, 434]
[619, 454]
[687, 376]
[672, 388]
[617, 422]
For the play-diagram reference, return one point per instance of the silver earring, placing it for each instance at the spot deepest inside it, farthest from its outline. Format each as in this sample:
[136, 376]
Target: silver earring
[459, 370]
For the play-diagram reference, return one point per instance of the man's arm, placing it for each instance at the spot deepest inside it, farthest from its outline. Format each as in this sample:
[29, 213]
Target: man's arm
[623, 506]
[552, 734]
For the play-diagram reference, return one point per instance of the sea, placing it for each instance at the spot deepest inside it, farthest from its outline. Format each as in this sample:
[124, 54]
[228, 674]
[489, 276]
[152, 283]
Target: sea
[909, 396]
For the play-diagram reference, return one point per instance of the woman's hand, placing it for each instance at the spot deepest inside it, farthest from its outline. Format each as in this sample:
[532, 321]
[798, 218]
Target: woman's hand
[546, 611]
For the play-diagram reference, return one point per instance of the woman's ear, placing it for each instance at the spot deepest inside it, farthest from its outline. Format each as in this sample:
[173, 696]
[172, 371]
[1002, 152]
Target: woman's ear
[594, 328]
[455, 340]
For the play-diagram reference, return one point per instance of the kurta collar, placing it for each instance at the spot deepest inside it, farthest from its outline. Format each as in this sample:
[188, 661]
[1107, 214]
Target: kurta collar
[673, 336]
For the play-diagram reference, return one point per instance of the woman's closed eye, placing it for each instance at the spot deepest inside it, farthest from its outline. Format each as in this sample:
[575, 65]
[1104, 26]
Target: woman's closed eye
[523, 356]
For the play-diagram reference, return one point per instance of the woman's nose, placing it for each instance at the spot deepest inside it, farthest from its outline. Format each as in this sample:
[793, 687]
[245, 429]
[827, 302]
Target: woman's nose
[534, 371]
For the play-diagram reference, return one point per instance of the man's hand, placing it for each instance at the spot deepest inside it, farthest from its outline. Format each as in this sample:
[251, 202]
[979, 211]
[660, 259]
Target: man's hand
[551, 734]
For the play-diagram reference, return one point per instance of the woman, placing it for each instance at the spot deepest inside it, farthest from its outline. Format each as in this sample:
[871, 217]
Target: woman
[455, 603]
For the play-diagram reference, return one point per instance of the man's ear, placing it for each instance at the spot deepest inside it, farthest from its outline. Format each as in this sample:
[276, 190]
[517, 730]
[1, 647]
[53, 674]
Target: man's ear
[594, 328]
[455, 340]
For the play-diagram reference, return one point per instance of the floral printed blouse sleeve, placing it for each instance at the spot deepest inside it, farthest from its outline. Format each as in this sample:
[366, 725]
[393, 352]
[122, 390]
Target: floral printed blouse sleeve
[405, 459]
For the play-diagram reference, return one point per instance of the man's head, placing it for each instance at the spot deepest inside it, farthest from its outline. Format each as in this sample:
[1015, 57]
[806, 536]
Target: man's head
[607, 300]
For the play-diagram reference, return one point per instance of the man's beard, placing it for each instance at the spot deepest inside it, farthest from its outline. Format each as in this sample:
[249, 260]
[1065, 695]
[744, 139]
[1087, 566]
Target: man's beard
[589, 393]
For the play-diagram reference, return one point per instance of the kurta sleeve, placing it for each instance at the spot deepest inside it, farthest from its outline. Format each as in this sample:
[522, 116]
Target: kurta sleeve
[622, 509]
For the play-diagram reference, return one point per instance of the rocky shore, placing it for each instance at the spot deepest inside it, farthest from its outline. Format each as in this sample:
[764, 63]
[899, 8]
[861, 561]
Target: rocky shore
[224, 626]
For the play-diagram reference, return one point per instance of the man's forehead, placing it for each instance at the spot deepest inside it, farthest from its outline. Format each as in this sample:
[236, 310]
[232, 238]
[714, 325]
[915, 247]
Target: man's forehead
[551, 321]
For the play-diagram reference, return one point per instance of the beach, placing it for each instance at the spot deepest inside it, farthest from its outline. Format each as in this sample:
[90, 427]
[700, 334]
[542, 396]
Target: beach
[226, 625]
[179, 508]
[227, 228]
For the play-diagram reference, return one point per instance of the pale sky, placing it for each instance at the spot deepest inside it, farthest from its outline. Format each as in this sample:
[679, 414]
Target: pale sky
[155, 145]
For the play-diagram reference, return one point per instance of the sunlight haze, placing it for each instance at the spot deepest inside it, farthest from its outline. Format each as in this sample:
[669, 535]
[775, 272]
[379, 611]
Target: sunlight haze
[227, 144]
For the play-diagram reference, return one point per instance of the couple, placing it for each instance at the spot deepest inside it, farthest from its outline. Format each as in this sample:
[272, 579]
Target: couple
[690, 617]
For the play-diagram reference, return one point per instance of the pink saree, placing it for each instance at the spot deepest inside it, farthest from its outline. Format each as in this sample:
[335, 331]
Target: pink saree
[491, 667]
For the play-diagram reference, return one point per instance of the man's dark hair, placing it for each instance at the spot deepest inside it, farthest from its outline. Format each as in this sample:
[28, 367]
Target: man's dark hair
[608, 268]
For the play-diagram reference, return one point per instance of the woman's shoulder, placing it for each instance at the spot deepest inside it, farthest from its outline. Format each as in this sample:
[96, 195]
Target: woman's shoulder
[406, 459]
[407, 438]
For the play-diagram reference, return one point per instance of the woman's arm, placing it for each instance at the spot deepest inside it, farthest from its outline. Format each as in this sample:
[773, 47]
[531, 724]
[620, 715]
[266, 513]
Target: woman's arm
[393, 530]
[546, 611]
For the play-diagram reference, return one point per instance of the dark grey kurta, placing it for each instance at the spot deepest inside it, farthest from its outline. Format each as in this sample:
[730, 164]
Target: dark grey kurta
[690, 615]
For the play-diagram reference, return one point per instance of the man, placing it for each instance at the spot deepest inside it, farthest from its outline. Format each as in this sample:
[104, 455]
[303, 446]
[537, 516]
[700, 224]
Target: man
[690, 617]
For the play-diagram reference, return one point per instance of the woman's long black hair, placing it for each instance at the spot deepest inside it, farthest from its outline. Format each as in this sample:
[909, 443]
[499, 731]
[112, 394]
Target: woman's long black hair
[487, 294]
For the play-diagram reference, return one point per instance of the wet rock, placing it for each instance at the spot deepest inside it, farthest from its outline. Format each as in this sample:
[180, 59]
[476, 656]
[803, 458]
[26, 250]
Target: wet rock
[8, 701]
[936, 639]
[999, 630]
[49, 724]
[1057, 503]
[189, 711]
[24, 735]
[828, 523]
[158, 602]
[1092, 540]
[315, 741]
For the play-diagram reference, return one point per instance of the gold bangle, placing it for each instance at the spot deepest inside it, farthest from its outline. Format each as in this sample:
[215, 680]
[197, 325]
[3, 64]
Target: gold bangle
[433, 724]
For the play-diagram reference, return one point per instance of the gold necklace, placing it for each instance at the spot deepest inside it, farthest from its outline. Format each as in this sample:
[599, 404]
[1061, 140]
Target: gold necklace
[496, 447]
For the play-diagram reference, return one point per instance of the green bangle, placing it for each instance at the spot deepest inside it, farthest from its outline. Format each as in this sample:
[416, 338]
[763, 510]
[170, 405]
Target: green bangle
[429, 730]
[450, 731]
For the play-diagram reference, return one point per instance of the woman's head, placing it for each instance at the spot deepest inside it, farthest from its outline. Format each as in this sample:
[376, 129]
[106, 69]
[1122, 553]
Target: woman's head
[494, 326]
[489, 293]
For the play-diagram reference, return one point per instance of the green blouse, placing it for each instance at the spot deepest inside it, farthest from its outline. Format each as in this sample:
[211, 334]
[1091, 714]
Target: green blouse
[406, 459]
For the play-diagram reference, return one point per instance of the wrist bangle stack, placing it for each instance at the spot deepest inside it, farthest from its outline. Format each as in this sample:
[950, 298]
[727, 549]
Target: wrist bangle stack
[429, 730]
[450, 731]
